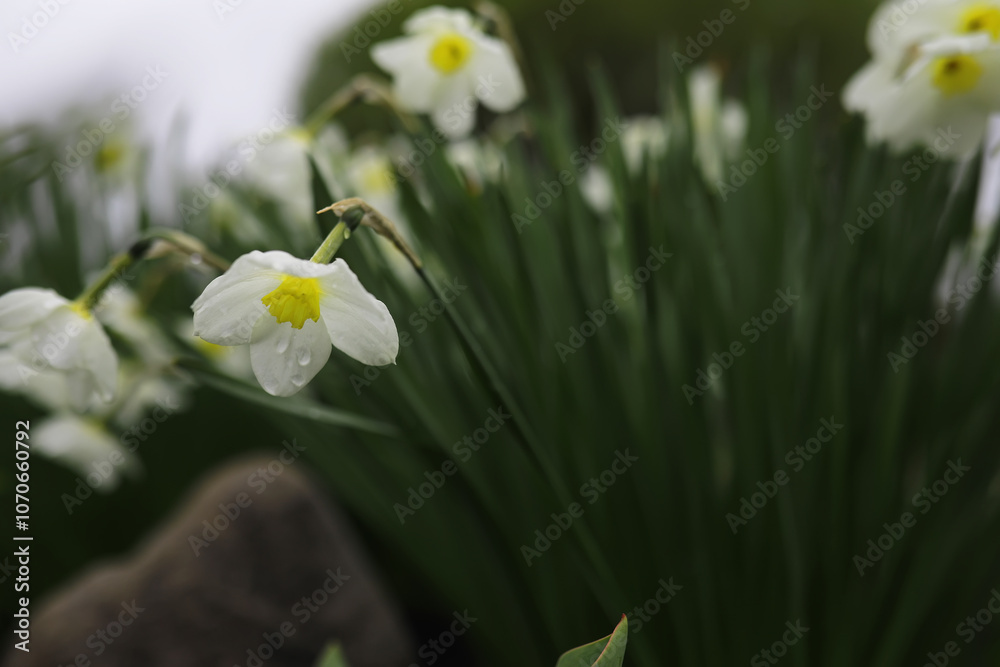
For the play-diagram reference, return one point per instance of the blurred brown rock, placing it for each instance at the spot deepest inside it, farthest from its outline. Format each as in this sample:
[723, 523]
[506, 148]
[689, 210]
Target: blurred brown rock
[278, 575]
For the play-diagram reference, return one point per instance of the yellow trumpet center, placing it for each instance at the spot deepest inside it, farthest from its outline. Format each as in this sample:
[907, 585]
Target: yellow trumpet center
[955, 75]
[450, 52]
[983, 17]
[295, 300]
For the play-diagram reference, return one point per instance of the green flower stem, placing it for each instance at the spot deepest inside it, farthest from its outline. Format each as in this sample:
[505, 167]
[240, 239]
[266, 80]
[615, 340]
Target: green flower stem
[120, 264]
[349, 221]
[331, 244]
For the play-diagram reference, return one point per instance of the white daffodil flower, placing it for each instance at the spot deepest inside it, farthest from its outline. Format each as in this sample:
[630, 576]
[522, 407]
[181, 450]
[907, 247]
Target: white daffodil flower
[478, 161]
[372, 177]
[935, 75]
[46, 332]
[281, 171]
[597, 189]
[444, 64]
[291, 312]
[86, 447]
[719, 126]
[644, 136]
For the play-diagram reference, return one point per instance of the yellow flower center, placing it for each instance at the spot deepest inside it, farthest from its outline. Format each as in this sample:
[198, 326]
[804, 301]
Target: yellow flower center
[109, 156]
[378, 178]
[983, 17]
[450, 52]
[295, 300]
[80, 310]
[955, 75]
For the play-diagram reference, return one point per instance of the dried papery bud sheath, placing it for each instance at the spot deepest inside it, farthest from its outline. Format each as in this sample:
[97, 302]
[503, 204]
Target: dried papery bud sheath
[379, 223]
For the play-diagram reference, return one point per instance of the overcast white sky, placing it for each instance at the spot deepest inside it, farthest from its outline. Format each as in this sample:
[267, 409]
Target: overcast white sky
[225, 71]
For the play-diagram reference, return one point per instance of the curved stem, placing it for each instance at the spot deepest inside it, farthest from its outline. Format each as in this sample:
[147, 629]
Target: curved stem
[140, 250]
[362, 87]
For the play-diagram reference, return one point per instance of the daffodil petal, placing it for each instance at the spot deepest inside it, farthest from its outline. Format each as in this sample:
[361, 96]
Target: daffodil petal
[227, 310]
[285, 359]
[359, 325]
[78, 444]
[439, 18]
[455, 106]
[414, 78]
[499, 85]
[22, 308]
[68, 341]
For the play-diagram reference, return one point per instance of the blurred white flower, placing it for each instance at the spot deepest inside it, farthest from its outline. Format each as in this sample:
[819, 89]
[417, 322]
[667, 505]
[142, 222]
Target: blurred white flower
[934, 79]
[719, 126]
[372, 177]
[281, 172]
[445, 63]
[147, 392]
[227, 218]
[988, 201]
[120, 310]
[479, 161]
[46, 387]
[291, 312]
[81, 444]
[46, 332]
[644, 136]
[597, 189]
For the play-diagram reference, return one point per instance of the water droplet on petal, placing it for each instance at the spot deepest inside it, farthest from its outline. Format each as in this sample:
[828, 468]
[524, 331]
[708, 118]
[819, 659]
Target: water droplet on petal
[282, 345]
[304, 357]
[298, 380]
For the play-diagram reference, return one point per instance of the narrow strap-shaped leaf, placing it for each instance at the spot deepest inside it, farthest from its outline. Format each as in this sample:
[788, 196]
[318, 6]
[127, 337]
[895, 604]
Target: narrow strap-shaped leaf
[606, 652]
[332, 656]
[297, 406]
